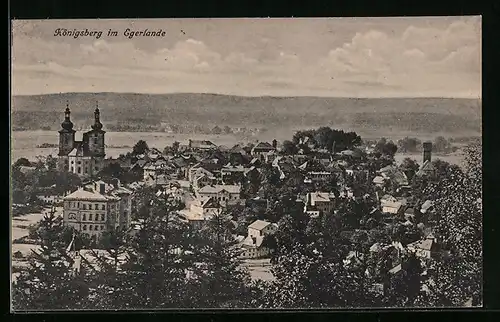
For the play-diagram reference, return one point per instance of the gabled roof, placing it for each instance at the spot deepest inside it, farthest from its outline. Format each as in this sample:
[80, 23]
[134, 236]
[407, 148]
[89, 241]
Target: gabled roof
[259, 224]
[391, 204]
[210, 203]
[378, 180]
[81, 194]
[425, 244]
[426, 168]
[263, 146]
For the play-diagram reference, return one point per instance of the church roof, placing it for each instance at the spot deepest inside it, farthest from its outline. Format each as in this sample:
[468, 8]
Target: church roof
[78, 150]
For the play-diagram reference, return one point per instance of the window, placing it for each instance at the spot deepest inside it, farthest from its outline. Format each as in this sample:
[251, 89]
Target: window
[72, 162]
[96, 227]
[96, 206]
[79, 170]
[72, 169]
[84, 217]
[84, 227]
[90, 206]
[96, 168]
[84, 207]
[90, 227]
[103, 207]
[95, 140]
[79, 162]
[102, 227]
[86, 170]
[102, 217]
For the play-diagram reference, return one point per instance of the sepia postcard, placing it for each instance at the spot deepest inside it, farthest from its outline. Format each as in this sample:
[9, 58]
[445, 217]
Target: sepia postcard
[331, 163]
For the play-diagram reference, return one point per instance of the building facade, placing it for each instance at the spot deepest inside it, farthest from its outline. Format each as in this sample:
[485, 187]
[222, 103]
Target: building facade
[98, 207]
[86, 157]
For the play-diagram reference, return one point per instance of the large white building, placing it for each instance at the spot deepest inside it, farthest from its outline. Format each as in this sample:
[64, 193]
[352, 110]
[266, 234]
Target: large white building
[98, 207]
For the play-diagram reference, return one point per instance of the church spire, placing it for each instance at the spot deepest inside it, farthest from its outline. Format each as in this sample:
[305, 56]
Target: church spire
[97, 115]
[67, 124]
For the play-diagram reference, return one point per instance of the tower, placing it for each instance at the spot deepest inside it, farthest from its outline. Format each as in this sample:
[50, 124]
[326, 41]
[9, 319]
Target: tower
[66, 139]
[427, 151]
[93, 142]
[94, 139]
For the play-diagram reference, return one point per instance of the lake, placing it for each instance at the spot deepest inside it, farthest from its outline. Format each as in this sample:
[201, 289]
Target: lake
[24, 143]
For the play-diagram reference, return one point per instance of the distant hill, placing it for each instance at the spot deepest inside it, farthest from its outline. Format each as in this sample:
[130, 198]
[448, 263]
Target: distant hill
[405, 114]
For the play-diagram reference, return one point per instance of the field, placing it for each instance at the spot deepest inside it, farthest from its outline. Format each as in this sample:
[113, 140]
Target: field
[24, 143]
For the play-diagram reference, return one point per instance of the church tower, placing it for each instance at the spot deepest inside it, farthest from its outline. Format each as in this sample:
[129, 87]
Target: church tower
[66, 139]
[93, 141]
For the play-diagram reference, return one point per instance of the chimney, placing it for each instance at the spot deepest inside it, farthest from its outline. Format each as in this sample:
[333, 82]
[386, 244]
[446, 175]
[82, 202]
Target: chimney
[275, 143]
[427, 151]
[102, 188]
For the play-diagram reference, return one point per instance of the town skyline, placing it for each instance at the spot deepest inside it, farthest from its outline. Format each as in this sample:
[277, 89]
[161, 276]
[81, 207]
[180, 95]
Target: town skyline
[337, 57]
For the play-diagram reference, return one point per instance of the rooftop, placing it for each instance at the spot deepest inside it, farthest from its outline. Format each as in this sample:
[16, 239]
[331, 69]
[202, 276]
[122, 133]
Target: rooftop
[259, 224]
[81, 194]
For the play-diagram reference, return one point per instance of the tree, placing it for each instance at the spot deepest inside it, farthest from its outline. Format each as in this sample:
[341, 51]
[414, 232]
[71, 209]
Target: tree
[51, 162]
[140, 147]
[158, 260]
[49, 283]
[458, 199]
[175, 147]
[216, 130]
[106, 274]
[22, 162]
[409, 144]
[227, 130]
[289, 148]
[385, 147]
[441, 144]
[219, 277]
[409, 167]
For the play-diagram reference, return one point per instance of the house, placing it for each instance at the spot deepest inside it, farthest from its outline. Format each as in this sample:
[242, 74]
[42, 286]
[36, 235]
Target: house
[270, 156]
[379, 181]
[94, 212]
[231, 173]
[261, 149]
[354, 258]
[427, 206]
[152, 170]
[316, 176]
[202, 180]
[222, 193]
[319, 202]
[206, 208]
[260, 228]
[392, 207]
[426, 169]
[395, 175]
[426, 248]
[252, 246]
[201, 145]
[409, 214]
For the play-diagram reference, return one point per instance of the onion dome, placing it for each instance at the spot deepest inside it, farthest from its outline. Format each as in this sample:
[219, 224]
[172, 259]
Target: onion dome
[67, 124]
[97, 122]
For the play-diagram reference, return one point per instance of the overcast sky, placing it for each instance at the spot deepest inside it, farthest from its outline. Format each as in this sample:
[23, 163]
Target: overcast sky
[349, 57]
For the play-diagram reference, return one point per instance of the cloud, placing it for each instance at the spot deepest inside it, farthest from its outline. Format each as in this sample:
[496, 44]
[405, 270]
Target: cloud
[418, 61]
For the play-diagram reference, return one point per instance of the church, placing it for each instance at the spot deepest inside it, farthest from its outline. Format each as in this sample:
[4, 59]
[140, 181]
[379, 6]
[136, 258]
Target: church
[86, 157]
